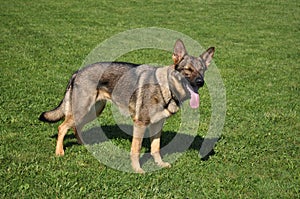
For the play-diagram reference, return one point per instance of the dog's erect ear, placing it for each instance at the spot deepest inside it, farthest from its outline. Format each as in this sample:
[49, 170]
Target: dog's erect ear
[179, 51]
[208, 55]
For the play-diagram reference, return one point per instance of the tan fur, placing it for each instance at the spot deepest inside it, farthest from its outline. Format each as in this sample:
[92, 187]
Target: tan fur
[62, 131]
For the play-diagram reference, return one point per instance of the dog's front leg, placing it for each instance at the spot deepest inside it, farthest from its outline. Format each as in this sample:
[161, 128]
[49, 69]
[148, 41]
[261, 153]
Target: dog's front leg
[138, 134]
[155, 133]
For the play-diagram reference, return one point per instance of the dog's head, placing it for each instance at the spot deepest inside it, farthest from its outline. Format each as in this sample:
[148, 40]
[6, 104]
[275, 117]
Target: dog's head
[192, 68]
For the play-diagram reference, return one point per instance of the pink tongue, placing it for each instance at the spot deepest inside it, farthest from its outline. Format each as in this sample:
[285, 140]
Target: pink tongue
[194, 102]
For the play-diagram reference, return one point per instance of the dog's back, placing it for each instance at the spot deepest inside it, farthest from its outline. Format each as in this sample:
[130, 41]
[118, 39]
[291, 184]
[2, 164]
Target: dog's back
[102, 76]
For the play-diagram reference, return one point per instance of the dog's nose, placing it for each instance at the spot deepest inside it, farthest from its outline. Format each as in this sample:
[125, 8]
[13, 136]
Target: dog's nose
[199, 81]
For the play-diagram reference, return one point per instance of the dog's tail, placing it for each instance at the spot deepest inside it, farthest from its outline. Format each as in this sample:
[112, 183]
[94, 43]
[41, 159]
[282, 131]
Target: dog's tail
[54, 115]
[58, 113]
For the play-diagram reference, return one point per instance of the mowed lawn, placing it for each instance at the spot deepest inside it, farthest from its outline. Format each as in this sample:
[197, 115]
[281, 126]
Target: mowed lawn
[257, 54]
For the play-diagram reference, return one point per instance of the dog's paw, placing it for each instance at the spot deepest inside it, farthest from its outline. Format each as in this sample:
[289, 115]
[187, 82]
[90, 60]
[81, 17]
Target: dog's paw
[164, 164]
[157, 159]
[60, 152]
[139, 170]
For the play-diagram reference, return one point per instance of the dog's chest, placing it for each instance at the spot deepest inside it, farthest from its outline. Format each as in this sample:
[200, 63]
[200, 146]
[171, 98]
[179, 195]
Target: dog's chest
[141, 91]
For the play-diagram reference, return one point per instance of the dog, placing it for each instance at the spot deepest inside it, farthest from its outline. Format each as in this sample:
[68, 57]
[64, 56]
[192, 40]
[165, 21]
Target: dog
[147, 94]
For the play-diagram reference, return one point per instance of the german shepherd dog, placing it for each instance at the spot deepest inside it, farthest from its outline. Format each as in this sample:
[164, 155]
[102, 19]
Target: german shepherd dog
[148, 94]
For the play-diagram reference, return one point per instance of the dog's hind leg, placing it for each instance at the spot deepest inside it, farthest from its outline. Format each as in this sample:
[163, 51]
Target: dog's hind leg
[155, 133]
[79, 140]
[93, 113]
[62, 131]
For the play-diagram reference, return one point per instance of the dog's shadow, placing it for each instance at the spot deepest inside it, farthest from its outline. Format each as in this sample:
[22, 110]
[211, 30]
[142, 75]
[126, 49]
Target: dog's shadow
[171, 142]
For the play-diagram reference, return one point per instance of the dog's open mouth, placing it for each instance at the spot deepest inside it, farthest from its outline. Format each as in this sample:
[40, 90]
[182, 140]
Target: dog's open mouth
[194, 101]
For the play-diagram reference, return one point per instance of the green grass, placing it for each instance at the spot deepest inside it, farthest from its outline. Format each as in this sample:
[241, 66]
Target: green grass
[257, 43]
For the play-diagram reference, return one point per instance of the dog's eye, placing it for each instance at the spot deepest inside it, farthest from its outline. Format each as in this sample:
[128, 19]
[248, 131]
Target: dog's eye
[187, 73]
